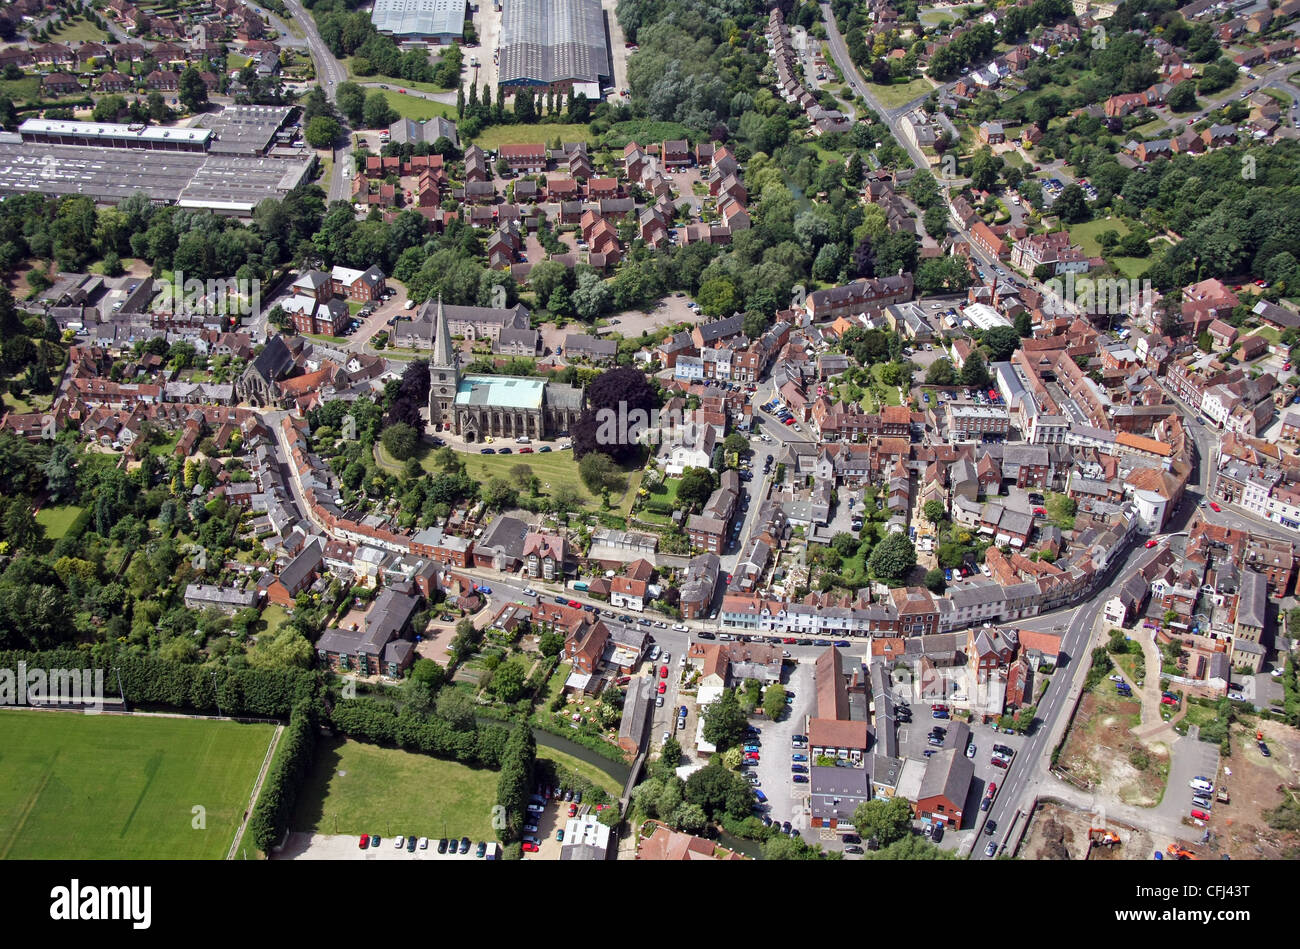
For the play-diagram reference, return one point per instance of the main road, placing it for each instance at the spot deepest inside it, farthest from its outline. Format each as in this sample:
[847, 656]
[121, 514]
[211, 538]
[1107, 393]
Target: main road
[1029, 768]
[329, 73]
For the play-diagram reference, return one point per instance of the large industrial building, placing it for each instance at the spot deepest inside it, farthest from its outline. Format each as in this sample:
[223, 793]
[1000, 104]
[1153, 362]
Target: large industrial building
[427, 21]
[227, 167]
[554, 44]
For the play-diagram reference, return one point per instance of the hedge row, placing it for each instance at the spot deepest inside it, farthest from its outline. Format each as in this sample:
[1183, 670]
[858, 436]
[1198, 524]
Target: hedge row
[515, 782]
[293, 760]
[369, 720]
[145, 680]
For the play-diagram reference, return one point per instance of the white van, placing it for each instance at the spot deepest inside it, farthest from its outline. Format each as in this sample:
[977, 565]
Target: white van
[523, 440]
[1199, 784]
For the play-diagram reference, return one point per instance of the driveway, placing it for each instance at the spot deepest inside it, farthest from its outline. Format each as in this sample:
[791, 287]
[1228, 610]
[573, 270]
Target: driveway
[786, 800]
[1191, 757]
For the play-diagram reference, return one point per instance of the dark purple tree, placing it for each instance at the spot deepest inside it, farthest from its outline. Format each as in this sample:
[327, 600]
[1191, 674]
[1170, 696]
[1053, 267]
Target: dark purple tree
[605, 424]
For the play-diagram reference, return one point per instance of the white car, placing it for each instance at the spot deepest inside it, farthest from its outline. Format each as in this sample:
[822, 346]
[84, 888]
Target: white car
[424, 843]
[399, 842]
[679, 627]
[970, 750]
[529, 591]
[667, 657]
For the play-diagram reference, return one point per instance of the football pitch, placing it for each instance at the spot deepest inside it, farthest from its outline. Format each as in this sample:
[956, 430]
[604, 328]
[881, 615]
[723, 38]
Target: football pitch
[100, 787]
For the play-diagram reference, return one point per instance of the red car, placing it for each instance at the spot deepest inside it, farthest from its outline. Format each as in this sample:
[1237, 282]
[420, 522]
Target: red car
[364, 842]
[728, 578]
[999, 763]
[751, 756]
[525, 451]
[530, 848]
[789, 421]
[992, 789]
[1215, 508]
[1166, 700]
[573, 810]
[663, 672]
[1287, 366]
[1151, 543]
[575, 604]
[1040, 512]
[789, 640]
[663, 687]
[1199, 814]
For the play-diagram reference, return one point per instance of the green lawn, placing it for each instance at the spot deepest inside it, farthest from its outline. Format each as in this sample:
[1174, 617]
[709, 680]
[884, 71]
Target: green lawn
[332, 340]
[97, 787]
[1085, 234]
[20, 90]
[413, 107]
[554, 468]
[896, 94]
[274, 616]
[79, 31]
[56, 520]
[358, 788]
[1131, 267]
[499, 135]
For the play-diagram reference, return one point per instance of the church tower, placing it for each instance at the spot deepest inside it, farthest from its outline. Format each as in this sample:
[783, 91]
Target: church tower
[444, 374]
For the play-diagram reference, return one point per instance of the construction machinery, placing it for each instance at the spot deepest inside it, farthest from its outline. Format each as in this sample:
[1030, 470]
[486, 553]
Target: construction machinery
[1100, 837]
[1179, 853]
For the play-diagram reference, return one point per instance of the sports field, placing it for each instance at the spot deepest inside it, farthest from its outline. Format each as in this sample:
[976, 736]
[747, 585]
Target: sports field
[359, 788]
[99, 787]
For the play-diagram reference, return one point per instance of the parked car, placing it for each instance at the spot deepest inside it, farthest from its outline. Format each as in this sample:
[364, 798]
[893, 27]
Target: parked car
[991, 849]
[529, 847]
[1263, 750]
[990, 827]
[364, 842]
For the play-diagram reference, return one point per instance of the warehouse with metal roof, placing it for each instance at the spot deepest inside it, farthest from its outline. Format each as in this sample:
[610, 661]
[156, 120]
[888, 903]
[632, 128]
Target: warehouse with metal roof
[433, 21]
[559, 44]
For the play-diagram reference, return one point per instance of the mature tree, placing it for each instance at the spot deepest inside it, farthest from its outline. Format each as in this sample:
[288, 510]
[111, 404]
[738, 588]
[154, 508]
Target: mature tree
[975, 371]
[724, 721]
[609, 424]
[774, 701]
[1071, 205]
[696, 486]
[886, 819]
[401, 441]
[599, 473]
[508, 682]
[592, 297]
[288, 650]
[934, 511]
[1024, 324]
[499, 494]
[941, 373]
[377, 112]
[351, 100]
[1001, 342]
[550, 643]
[193, 93]
[719, 791]
[934, 581]
[892, 558]
[322, 132]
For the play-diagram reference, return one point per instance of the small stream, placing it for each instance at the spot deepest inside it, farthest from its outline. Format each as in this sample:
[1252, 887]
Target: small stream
[616, 770]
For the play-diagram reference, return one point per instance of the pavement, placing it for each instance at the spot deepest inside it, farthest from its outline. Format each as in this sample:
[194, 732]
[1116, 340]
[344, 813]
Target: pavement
[787, 800]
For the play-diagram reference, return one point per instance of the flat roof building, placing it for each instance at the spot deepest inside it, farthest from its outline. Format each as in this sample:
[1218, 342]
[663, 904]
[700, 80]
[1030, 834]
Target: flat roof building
[554, 43]
[433, 21]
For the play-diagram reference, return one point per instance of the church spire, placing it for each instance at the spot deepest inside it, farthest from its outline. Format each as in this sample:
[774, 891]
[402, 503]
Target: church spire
[443, 353]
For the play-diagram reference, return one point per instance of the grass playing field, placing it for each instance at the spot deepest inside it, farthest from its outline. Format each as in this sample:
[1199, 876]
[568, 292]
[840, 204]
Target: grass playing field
[499, 135]
[358, 788]
[99, 787]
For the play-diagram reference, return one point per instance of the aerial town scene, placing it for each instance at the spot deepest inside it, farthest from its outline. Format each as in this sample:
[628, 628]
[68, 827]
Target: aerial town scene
[649, 430]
